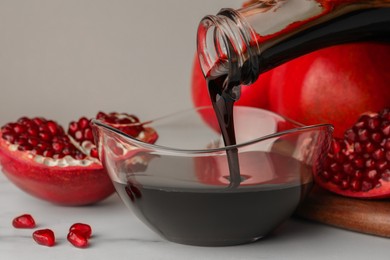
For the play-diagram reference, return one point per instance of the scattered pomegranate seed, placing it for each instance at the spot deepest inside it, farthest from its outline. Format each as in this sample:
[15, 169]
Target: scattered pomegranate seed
[77, 239]
[81, 228]
[24, 221]
[44, 237]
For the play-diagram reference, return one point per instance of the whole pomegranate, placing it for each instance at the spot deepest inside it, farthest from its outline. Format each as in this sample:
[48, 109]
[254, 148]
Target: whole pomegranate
[39, 157]
[333, 85]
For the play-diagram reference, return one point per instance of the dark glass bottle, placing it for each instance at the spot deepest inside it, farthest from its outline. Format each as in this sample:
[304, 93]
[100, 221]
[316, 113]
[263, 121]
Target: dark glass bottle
[239, 45]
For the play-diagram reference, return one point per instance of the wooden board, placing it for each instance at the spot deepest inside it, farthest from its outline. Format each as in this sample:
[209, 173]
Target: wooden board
[366, 216]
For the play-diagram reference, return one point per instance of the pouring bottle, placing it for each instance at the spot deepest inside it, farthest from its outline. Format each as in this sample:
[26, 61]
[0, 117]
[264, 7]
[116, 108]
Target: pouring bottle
[239, 45]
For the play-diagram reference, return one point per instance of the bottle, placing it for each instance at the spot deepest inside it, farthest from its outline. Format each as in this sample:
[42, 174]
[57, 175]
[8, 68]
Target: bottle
[239, 45]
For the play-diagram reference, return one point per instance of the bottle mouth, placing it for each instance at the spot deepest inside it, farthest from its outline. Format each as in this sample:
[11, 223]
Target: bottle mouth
[225, 44]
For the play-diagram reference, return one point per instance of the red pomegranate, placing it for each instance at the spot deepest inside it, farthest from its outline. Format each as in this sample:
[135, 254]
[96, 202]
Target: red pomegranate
[42, 159]
[334, 85]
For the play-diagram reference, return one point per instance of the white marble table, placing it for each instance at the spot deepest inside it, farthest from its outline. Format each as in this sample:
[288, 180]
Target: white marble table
[119, 235]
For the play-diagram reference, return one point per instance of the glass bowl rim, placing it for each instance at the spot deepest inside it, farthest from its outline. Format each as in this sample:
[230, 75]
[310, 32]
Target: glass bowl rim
[166, 149]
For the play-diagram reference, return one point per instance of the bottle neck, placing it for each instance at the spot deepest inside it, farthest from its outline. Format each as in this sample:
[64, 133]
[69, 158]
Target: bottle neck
[241, 44]
[227, 46]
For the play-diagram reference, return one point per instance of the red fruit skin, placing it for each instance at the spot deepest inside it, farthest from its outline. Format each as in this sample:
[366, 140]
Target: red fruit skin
[44, 237]
[24, 221]
[333, 85]
[68, 186]
[381, 192]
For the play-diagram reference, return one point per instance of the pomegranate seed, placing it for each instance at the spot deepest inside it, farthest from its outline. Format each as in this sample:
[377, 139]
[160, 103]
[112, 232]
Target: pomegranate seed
[373, 122]
[363, 134]
[37, 150]
[66, 151]
[358, 147]
[39, 120]
[43, 145]
[334, 167]
[376, 137]
[83, 123]
[19, 129]
[44, 237]
[382, 165]
[358, 174]
[52, 127]
[370, 163]
[57, 147]
[378, 154]
[88, 135]
[77, 239]
[58, 156]
[350, 136]
[356, 185]
[73, 127]
[48, 153]
[344, 185]
[24, 221]
[387, 144]
[25, 147]
[372, 174]
[78, 135]
[21, 141]
[82, 228]
[386, 130]
[46, 136]
[79, 156]
[24, 120]
[9, 137]
[94, 153]
[33, 141]
[101, 115]
[348, 168]
[33, 131]
[325, 175]
[358, 162]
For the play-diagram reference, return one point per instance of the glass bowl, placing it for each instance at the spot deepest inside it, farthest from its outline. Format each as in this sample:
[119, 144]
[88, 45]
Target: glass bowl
[182, 186]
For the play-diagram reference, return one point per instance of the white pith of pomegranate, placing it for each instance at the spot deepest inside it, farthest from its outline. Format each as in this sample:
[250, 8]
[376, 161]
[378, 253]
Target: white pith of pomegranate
[62, 167]
[359, 165]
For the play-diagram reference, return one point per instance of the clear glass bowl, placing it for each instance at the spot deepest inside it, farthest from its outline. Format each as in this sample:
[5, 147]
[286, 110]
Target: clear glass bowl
[182, 188]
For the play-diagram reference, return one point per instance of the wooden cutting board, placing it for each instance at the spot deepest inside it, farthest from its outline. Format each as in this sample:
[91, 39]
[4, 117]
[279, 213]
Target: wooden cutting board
[366, 216]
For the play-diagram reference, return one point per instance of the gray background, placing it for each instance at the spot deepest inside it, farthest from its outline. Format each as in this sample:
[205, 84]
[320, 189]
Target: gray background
[64, 59]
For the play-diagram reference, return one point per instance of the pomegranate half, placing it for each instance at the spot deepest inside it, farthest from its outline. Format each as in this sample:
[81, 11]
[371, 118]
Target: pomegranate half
[359, 164]
[39, 157]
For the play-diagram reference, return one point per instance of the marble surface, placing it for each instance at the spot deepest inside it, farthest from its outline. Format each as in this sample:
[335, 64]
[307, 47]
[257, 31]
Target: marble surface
[118, 234]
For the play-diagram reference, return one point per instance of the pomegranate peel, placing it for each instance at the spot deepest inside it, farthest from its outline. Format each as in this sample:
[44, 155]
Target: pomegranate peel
[359, 165]
[40, 158]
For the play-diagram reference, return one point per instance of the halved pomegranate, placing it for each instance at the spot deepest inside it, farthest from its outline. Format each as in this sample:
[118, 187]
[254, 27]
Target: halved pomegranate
[359, 165]
[42, 159]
